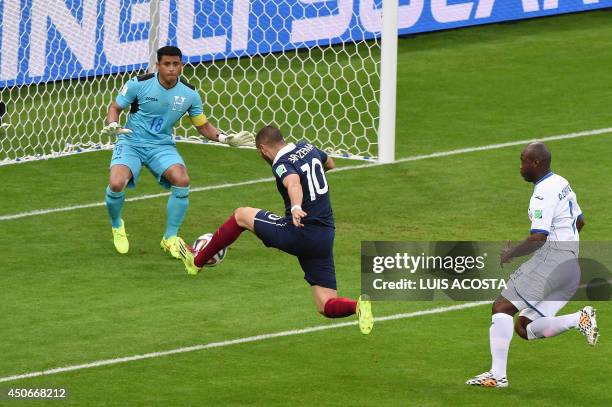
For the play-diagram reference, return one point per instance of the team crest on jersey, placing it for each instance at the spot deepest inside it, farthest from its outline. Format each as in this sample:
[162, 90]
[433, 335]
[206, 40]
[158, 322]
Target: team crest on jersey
[178, 103]
[280, 170]
[537, 214]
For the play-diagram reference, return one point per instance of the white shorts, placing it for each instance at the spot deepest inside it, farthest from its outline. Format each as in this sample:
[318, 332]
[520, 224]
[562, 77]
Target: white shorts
[544, 284]
[537, 310]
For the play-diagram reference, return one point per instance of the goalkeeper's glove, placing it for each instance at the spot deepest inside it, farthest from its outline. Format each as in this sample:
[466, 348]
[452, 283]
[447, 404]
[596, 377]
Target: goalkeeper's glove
[241, 139]
[113, 129]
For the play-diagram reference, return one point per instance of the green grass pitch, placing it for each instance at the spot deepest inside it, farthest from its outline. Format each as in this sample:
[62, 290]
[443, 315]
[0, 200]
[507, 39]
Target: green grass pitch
[67, 298]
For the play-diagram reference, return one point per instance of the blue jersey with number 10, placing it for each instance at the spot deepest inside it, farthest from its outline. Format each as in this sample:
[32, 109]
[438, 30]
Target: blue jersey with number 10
[154, 109]
[307, 162]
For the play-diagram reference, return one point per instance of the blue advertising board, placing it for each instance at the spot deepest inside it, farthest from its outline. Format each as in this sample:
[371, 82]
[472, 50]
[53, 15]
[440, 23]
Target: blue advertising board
[48, 40]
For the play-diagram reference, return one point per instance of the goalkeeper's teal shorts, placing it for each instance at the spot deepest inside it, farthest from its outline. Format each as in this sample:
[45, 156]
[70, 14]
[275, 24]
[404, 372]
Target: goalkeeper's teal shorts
[157, 158]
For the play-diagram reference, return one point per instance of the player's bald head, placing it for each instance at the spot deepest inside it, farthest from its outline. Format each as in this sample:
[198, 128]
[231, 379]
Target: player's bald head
[269, 136]
[535, 162]
[538, 152]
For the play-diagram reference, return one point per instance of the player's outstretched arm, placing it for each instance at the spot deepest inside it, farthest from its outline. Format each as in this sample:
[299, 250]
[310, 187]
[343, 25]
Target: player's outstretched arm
[294, 189]
[533, 242]
[113, 128]
[241, 139]
[208, 130]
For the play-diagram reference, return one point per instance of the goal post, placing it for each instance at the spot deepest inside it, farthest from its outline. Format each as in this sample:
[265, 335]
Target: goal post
[388, 82]
[154, 9]
[315, 68]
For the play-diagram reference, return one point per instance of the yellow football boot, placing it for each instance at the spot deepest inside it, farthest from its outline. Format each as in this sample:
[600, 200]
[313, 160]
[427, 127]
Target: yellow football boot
[186, 255]
[364, 313]
[170, 246]
[120, 239]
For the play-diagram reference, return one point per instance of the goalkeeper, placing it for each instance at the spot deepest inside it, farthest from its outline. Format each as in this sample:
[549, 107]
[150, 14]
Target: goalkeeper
[157, 101]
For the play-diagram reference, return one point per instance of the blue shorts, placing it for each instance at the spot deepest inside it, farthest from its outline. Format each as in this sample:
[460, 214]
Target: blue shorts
[312, 245]
[156, 158]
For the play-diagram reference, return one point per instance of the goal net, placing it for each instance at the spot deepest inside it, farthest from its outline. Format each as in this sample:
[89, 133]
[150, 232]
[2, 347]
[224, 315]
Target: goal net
[312, 67]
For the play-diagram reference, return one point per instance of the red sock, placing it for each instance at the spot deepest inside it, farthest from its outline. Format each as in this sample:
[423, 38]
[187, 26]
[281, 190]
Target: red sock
[340, 307]
[223, 237]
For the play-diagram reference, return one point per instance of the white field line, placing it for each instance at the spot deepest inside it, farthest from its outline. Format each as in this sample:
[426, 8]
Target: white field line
[347, 168]
[136, 198]
[107, 362]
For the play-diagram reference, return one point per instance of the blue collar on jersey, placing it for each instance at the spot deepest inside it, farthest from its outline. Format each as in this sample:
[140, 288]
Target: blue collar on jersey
[548, 174]
[289, 147]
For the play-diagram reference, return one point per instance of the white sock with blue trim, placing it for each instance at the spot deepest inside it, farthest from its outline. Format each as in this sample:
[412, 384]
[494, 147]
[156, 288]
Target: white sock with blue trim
[500, 335]
[547, 327]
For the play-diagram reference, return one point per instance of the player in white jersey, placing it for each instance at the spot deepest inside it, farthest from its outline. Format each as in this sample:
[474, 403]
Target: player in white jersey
[547, 281]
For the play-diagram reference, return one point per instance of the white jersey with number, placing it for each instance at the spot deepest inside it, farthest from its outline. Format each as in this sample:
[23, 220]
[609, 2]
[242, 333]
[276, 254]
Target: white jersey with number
[554, 210]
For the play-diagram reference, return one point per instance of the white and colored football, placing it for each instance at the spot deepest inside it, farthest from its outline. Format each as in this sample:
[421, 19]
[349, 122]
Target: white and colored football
[201, 243]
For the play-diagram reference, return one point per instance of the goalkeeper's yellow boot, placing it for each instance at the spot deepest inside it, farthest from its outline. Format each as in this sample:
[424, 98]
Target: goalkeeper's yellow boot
[120, 239]
[187, 256]
[170, 246]
[364, 313]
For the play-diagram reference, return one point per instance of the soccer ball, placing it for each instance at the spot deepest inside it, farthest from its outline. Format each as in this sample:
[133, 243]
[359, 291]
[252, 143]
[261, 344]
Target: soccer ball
[201, 243]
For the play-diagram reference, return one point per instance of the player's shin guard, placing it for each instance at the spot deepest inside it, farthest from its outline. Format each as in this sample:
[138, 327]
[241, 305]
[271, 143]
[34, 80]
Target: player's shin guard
[176, 209]
[223, 237]
[114, 204]
[547, 327]
[340, 307]
[500, 335]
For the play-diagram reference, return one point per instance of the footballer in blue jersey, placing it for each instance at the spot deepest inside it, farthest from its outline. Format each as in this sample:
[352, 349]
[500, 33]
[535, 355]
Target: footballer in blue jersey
[309, 164]
[156, 101]
[306, 230]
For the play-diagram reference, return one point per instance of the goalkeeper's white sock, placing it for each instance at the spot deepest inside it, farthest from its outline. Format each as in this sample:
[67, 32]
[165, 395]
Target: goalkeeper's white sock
[547, 327]
[500, 335]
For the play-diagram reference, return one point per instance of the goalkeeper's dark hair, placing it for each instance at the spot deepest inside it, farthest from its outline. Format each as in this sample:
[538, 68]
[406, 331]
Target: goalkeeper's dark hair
[169, 50]
[270, 136]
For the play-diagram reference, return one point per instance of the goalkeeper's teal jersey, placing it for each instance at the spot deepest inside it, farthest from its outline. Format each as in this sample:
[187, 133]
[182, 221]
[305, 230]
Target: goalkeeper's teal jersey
[154, 109]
